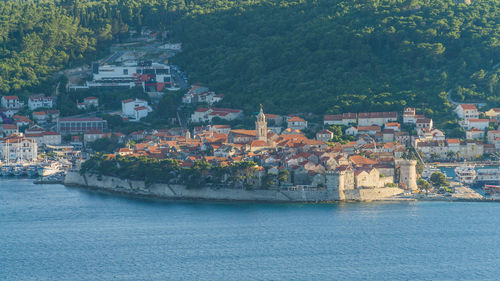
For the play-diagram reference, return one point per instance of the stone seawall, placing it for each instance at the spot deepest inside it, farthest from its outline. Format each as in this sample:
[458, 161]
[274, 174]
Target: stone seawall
[371, 194]
[173, 191]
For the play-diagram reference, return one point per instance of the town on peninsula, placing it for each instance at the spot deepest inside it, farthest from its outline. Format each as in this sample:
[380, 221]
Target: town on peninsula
[133, 124]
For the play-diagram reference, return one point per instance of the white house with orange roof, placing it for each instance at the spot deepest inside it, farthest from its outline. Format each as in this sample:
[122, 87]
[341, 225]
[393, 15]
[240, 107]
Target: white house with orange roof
[424, 123]
[136, 109]
[409, 115]
[474, 134]
[222, 129]
[91, 101]
[12, 102]
[40, 101]
[393, 125]
[481, 124]
[467, 111]
[16, 147]
[9, 129]
[493, 135]
[201, 94]
[324, 135]
[40, 116]
[297, 123]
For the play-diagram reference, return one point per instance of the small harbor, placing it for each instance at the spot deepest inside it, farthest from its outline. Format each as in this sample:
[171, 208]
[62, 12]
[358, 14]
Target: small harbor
[467, 180]
[45, 172]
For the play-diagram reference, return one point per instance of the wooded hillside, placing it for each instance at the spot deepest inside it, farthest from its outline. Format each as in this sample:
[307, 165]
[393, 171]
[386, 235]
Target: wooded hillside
[315, 56]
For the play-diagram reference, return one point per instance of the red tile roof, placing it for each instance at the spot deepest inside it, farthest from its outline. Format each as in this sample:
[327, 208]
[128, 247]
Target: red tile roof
[468, 107]
[10, 97]
[296, 119]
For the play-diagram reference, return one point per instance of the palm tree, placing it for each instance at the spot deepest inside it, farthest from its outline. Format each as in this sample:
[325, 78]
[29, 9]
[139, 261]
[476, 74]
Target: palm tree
[450, 154]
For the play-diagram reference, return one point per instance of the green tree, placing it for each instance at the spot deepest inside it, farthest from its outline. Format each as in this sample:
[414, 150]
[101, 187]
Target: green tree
[438, 179]
[283, 176]
[423, 184]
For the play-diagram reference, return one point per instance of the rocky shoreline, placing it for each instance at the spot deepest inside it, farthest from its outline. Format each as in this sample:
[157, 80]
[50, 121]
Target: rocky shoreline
[138, 189]
[181, 192]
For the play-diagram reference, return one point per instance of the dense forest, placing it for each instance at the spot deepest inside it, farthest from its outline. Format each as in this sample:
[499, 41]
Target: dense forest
[150, 170]
[304, 55]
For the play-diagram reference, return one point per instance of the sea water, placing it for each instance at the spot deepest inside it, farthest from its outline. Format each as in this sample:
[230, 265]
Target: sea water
[51, 232]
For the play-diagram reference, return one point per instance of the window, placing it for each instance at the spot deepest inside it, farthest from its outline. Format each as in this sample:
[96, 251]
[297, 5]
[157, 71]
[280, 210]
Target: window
[125, 72]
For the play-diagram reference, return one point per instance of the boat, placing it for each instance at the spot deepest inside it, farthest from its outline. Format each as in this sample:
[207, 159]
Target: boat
[465, 174]
[6, 170]
[428, 171]
[31, 171]
[48, 170]
[491, 189]
[18, 170]
[488, 176]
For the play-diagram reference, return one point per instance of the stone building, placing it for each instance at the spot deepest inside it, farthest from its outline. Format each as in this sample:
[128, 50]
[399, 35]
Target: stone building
[261, 126]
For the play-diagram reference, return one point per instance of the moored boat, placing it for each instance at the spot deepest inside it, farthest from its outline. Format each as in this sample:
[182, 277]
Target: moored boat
[465, 174]
[31, 171]
[48, 170]
[428, 171]
[491, 189]
[18, 170]
[6, 170]
[488, 176]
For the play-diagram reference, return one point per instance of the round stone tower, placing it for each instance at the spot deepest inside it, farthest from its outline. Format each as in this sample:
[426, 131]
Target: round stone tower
[408, 173]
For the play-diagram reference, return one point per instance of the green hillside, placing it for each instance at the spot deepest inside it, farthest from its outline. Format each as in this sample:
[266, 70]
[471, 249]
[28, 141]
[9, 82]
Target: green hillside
[317, 56]
[335, 56]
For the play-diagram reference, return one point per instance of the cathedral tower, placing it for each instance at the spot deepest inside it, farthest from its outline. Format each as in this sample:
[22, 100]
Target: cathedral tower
[261, 126]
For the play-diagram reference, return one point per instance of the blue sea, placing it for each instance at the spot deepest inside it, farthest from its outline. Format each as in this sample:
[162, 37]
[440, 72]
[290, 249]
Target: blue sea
[51, 232]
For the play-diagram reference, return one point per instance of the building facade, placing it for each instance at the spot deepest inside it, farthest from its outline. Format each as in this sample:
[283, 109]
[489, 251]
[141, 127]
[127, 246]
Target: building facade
[80, 125]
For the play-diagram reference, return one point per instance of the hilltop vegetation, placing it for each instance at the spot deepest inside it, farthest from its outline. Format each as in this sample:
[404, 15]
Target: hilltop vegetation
[317, 56]
[337, 56]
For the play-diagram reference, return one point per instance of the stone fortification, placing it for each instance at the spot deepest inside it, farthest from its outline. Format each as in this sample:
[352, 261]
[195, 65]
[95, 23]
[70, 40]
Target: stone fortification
[169, 191]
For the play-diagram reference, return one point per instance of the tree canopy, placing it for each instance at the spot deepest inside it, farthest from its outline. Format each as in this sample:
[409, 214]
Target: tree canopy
[317, 56]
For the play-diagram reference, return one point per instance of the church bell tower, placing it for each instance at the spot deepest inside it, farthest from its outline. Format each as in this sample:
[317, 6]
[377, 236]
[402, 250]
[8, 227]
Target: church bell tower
[261, 126]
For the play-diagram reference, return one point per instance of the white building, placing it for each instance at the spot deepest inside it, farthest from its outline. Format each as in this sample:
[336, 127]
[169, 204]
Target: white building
[469, 149]
[92, 136]
[296, 123]
[480, 124]
[129, 75]
[51, 138]
[18, 148]
[221, 129]
[493, 135]
[91, 102]
[474, 134]
[201, 94]
[171, 46]
[467, 111]
[40, 117]
[9, 129]
[136, 109]
[12, 102]
[324, 135]
[424, 123]
[40, 101]
[340, 119]
[376, 118]
[409, 115]
[207, 114]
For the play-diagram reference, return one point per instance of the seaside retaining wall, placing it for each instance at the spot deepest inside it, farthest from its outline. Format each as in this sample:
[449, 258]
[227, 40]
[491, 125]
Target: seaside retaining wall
[371, 194]
[174, 191]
